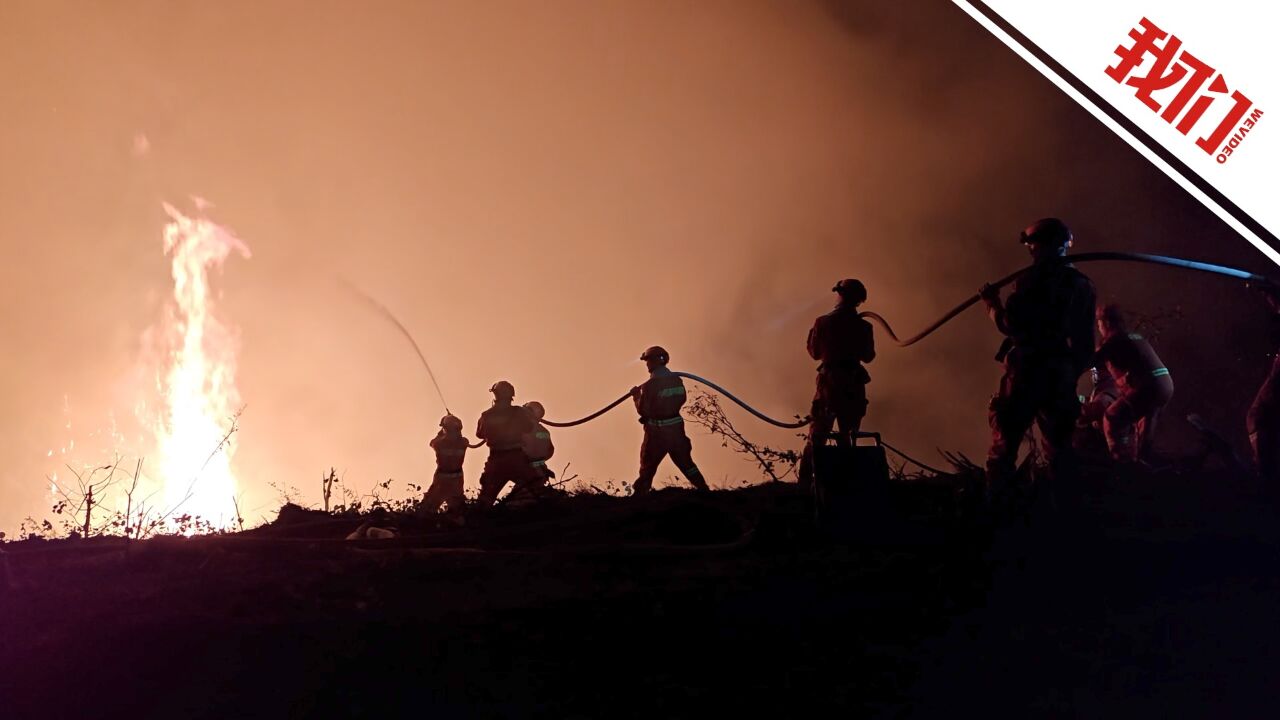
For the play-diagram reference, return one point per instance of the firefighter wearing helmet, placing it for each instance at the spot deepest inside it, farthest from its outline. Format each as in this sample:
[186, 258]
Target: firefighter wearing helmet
[446, 485]
[1047, 322]
[841, 342]
[1143, 383]
[503, 428]
[538, 447]
[658, 401]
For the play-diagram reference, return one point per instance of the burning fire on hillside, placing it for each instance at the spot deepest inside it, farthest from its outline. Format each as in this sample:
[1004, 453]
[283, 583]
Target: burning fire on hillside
[186, 418]
[198, 390]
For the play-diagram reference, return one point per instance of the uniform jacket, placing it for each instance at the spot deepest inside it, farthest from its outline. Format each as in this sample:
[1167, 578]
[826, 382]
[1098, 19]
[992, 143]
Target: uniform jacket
[504, 426]
[537, 443]
[450, 452]
[1130, 359]
[842, 340]
[1050, 313]
[661, 396]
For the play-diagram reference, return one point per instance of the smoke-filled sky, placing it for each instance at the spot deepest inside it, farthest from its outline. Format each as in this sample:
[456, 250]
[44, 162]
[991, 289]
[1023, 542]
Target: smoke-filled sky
[540, 191]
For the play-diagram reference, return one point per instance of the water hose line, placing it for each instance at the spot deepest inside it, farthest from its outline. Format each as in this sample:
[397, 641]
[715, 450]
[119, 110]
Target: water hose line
[789, 425]
[1081, 258]
[951, 314]
[588, 418]
[911, 460]
[929, 330]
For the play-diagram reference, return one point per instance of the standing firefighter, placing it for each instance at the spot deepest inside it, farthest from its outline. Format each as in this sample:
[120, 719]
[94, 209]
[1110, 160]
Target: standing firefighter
[503, 427]
[1142, 381]
[1263, 420]
[1048, 327]
[659, 401]
[841, 341]
[446, 486]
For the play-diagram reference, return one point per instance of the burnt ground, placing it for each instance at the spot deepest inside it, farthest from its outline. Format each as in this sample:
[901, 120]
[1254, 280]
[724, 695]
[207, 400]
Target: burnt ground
[1151, 595]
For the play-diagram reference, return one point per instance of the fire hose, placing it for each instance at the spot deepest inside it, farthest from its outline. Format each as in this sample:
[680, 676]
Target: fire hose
[930, 329]
[1083, 257]
[390, 317]
[790, 425]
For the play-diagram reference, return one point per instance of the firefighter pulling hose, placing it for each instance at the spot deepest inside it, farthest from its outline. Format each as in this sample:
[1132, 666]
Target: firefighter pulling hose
[1074, 259]
[842, 341]
[698, 379]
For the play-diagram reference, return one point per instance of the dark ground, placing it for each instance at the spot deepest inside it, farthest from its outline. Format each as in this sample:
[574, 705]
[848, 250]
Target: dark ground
[1156, 596]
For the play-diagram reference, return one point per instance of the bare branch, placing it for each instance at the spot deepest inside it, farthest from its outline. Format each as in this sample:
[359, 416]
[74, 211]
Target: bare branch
[705, 410]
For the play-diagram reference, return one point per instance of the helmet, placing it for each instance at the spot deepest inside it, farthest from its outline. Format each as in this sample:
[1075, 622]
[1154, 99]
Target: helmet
[502, 388]
[851, 290]
[656, 353]
[1048, 230]
[451, 422]
[535, 409]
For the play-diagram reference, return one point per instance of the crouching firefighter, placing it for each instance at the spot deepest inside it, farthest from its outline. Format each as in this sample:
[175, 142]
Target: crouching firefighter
[1048, 326]
[1090, 436]
[658, 401]
[841, 341]
[1143, 384]
[446, 485]
[503, 427]
[537, 444]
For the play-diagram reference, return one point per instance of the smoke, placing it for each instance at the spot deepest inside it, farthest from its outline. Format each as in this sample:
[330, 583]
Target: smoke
[541, 193]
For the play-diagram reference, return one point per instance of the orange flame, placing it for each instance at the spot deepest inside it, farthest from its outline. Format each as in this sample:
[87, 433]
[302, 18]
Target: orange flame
[198, 389]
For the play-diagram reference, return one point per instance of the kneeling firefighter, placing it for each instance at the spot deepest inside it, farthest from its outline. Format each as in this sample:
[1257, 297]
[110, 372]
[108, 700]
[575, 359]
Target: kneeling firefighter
[1048, 326]
[841, 342]
[1143, 382]
[537, 444]
[658, 401]
[1090, 435]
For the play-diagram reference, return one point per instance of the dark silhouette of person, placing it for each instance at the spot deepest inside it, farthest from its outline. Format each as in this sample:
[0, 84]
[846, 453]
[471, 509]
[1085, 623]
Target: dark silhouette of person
[446, 485]
[503, 427]
[1263, 420]
[658, 401]
[1047, 322]
[841, 342]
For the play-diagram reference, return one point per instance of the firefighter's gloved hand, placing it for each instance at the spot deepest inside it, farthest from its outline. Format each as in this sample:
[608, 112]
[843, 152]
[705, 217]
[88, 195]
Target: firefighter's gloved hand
[635, 392]
[990, 295]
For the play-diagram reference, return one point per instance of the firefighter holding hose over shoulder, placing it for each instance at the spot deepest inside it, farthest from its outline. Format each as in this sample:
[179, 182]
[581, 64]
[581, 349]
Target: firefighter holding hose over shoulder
[658, 401]
[1047, 322]
[841, 341]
